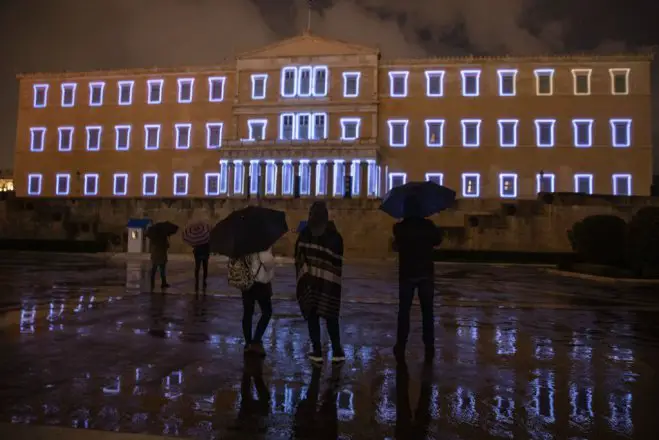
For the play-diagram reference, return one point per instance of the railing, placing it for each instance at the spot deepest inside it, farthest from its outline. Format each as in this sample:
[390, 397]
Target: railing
[300, 143]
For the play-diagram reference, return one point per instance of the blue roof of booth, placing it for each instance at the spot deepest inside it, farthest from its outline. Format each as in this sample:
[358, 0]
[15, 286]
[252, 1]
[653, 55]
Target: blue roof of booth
[138, 223]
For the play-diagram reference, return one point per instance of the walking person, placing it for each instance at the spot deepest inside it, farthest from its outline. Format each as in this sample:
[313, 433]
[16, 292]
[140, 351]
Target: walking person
[414, 239]
[158, 247]
[319, 265]
[201, 254]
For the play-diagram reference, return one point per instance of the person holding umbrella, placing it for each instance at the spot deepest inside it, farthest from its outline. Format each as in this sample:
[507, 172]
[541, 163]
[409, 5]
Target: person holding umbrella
[158, 235]
[197, 235]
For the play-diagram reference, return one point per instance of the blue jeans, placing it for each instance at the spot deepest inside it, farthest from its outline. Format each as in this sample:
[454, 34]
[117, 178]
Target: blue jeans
[426, 291]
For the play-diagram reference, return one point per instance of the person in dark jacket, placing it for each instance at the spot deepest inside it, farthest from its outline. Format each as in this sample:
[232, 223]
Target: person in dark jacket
[414, 240]
[158, 247]
[201, 255]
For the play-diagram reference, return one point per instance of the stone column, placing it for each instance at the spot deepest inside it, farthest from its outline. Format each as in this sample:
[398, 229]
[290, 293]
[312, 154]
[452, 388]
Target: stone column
[312, 179]
[230, 173]
[279, 188]
[330, 178]
[363, 179]
[261, 186]
[296, 173]
[382, 183]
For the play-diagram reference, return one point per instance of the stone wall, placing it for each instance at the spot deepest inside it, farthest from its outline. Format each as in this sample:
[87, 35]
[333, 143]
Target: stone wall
[527, 226]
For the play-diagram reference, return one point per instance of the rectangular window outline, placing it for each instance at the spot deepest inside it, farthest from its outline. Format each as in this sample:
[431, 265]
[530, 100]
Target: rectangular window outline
[615, 142]
[507, 73]
[349, 77]
[270, 177]
[210, 126]
[465, 185]
[293, 129]
[93, 179]
[544, 73]
[345, 122]
[36, 90]
[321, 177]
[145, 181]
[117, 132]
[177, 178]
[181, 84]
[356, 174]
[100, 85]
[578, 124]
[68, 86]
[298, 81]
[539, 123]
[438, 178]
[250, 127]
[391, 123]
[254, 175]
[147, 128]
[392, 176]
[89, 129]
[503, 177]
[576, 73]
[120, 87]
[373, 176]
[224, 176]
[539, 185]
[304, 172]
[42, 144]
[212, 81]
[34, 179]
[178, 136]
[315, 126]
[256, 79]
[437, 75]
[287, 178]
[627, 178]
[283, 82]
[238, 177]
[616, 72]
[474, 74]
[208, 184]
[62, 177]
[149, 91]
[338, 176]
[316, 85]
[465, 123]
[437, 142]
[120, 180]
[502, 123]
[60, 138]
[398, 75]
[588, 177]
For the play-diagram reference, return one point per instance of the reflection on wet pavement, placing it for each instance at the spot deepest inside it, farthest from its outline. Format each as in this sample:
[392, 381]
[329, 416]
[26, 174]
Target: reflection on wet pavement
[84, 348]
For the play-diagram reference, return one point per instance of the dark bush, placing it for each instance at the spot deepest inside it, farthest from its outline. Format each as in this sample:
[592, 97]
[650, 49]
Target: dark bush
[643, 241]
[599, 239]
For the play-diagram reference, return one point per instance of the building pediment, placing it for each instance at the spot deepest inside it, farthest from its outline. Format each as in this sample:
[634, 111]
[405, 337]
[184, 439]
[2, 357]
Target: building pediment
[308, 45]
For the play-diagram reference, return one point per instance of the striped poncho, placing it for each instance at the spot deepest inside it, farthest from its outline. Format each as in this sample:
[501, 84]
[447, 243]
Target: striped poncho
[318, 265]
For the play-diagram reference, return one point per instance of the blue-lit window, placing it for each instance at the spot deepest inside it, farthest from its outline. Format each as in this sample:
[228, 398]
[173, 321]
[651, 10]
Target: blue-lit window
[434, 132]
[91, 184]
[545, 182]
[288, 82]
[254, 176]
[398, 132]
[398, 84]
[238, 177]
[94, 137]
[622, 184]
[583, 183]
[185, 90]
[583, 132]
[437, 178]
[122, 137]
[397, 179]
[621, 132]
[305, 177]
[356, 174]
[151, 137]
[544, 82]
[287, 178]
[40, 95]
[435, 83]
[619, 81]
[339, 177]
[68, 94]
[471, 82]
[508, 132]
[508, 185]
[120, 184]
[507, 82]
[214, 134]
[320, 75]
[34, 184]
[37, 138]
[257, 129]
[350, 128]
[180, 184]
[259, 85]
[224, 176]
[62, 184]
[212, 186]
[544, 132]
[96, 92]
[303, 81]
[65, 135]
[471, 136]
[149, 184]
[471, 183]
[321, 178]
[125, 92]
[270, 178]
[183, 134]
[216, 88]
[581, 79]
[351, 84]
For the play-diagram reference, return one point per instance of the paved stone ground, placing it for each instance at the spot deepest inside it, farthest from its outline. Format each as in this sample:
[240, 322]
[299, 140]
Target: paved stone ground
[521, 354]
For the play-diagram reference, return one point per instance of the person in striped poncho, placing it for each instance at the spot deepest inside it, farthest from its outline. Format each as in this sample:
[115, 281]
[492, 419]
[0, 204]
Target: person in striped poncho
[319, 265]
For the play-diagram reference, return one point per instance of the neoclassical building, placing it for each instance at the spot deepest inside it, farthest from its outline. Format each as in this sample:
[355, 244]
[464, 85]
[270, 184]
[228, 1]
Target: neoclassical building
[315, 117]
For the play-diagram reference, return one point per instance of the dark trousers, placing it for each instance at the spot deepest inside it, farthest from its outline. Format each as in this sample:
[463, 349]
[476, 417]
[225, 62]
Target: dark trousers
[200, 263]
[155, 268]
[262, 294]
[313, 321]
[426, 289]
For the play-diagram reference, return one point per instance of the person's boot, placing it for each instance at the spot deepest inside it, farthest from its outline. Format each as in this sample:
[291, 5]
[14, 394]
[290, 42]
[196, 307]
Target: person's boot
[316, 356]
[338, 355]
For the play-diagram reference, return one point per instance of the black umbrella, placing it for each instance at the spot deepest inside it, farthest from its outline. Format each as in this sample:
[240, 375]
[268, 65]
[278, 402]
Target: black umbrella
[432, 198]
[161, 230]
[248, 230]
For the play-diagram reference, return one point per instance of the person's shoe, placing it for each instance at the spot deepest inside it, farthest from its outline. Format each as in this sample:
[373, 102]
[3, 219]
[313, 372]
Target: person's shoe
[399, 352]
[338, 356]
[316, 356]
[257, 349]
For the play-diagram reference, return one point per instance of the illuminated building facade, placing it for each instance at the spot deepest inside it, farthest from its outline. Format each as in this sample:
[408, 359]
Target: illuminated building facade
[304, 113]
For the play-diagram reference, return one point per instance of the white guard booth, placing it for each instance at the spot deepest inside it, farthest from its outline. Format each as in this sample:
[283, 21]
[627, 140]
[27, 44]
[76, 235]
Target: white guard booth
[137, 241]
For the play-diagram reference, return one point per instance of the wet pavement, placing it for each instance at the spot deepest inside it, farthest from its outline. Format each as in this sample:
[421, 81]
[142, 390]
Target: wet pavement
[521, 353]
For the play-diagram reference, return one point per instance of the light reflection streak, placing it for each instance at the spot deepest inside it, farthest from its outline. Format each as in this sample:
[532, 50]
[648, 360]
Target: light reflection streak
[542, 396]
[581, 346]
[172, 385]
[28, 315]
[464, 406]
[543, 349]
[115, 388]
[345, 403]
[506, 340]
[620, 410]
[581, 404]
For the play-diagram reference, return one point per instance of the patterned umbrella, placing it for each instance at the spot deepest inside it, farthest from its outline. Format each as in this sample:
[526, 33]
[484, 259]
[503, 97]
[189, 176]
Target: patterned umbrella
[196, 234]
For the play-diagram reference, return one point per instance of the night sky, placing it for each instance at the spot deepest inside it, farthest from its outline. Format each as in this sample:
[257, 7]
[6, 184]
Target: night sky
[74, 35]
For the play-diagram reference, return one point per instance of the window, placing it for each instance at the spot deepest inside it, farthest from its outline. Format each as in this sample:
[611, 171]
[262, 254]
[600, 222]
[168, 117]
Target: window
[34, 184]
[619, 81]
[125, 92]
[62, 184]
[180, 184]
[214, 134]
[471, 136]
[583, 183]
[151, 137]
[305, 177]
[319, 126]
[350, 128]
[68, 94]
[544, 132]
[507, 82]
[120, 184]
[356, 174]
[257, 129]
[289, 82]
[508, 132]
[216, 88]
[303, 86]
[351, 84]
[320, 75]
[398, 84]
[270, 178]
[321, 178]
[40, 95]
[437, 178]
[398, 132]
[545, 182]
[338, 186]
[471, 183]
[65, 138]
[37, 138]
[471, 82]
[544, 82]
[185, 90]
[91, 184]
[373, 189]
[508, 185]
[212, 187]
[583, 132]
[224, 176]
[122, 137]
[621, 132]
[259, 84]
[94, 137]
[434, 132]
[581, 78]
[303, 126]
[96, 92]
[396, 179]
[287, 178]
[254, 174]
[434, 83]
[286, 126]
[622, 184]
[183, 134]
[238, 177]
[154, 91]
[149, 184]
